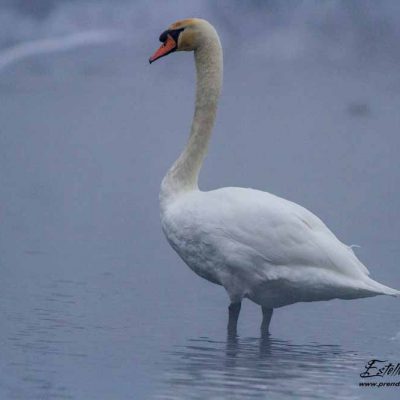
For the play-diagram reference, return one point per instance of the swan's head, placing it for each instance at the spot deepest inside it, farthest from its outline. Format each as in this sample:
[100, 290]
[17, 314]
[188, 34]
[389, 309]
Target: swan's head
[183, 35]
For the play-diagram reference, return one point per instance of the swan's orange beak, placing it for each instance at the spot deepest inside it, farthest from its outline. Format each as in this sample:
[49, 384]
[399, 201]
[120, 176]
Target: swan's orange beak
[167, 47]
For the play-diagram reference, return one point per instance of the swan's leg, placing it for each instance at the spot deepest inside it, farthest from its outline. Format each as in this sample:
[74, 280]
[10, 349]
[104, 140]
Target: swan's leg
[267, 315]
[234, 310]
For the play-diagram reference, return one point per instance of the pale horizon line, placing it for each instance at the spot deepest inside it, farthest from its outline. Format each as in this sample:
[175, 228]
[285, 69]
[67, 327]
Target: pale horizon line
[26, 49]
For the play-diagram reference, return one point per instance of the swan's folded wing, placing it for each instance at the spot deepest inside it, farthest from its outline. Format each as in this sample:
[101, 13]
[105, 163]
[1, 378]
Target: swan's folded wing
[253, 226]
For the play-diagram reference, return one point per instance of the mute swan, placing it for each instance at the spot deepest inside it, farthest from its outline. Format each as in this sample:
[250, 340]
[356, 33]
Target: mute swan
[253, 243]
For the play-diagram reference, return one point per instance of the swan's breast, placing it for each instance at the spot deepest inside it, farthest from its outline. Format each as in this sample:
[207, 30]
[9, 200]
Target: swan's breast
[187, 234]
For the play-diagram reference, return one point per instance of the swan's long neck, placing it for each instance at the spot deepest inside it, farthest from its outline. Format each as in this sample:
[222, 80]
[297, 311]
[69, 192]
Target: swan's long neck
[183, 175]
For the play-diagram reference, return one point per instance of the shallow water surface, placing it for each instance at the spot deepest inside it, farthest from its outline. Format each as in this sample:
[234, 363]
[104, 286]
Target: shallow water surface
[254, 367]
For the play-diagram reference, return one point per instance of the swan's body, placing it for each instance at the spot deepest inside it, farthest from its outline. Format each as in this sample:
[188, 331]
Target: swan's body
[263, 247]
[254, 244]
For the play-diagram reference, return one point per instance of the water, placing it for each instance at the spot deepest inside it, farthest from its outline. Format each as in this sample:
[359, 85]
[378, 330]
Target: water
[255, 367]
[94, 303]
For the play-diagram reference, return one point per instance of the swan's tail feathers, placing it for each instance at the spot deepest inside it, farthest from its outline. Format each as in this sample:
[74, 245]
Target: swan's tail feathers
[378, 288]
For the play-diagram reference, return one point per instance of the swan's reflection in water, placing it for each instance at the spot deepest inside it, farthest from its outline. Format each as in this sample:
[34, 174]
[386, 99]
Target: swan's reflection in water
[241, 368]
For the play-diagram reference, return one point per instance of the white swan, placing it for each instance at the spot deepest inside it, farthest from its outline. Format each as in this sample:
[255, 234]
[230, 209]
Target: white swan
[254, 244]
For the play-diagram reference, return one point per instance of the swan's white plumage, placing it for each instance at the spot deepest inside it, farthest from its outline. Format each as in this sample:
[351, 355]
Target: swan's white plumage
[253, 243]
[260, 246]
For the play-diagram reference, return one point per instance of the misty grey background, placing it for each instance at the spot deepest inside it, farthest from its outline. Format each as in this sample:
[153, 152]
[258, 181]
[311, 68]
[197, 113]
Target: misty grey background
[94, 303]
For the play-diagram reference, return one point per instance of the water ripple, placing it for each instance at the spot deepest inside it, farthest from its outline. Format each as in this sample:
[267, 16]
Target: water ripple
[256, 368]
